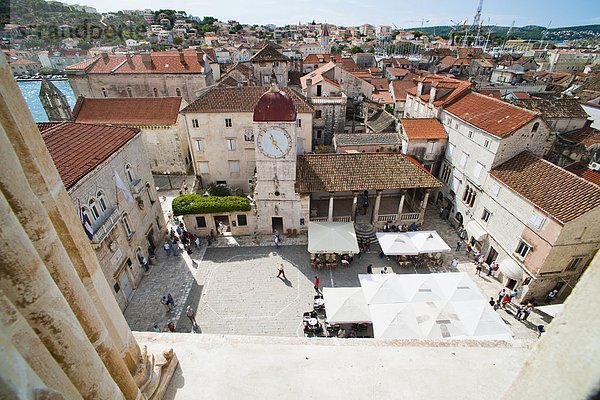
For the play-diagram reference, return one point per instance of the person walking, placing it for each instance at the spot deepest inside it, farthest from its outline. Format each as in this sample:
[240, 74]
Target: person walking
[276, 239]
[317, 284]
[171, 300]
[175, 246]
[165, 302]
[370, 269]
[454, 264]
[478, 269]
[513, 293]
[492, 302]
[156, 329]
[528, 310]
[167, 248]
[221, 229]
[551, 295]
[197, 241]
[442, 210]
[384, 270]
[281, 271]
[519, 313]
[191, 314]
[501, 294]
[491, 268]
[459, 243]
[505, 300]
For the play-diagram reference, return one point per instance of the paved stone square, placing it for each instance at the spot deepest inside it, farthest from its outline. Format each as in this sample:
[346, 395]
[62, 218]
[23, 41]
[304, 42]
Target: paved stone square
[233, 285]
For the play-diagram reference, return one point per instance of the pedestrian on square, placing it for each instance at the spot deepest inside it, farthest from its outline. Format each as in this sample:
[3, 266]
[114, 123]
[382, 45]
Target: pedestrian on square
[209, 240]
[175, 246]
[156, 329]
[454, 264]
[191, 314]
[178, 229]
[370, 269]
[469, 248]
[197, 241]
[384, 270]
[513, 293]
[442, 209]
[317, 284]
[281, 271]
[165, 302]
[501, 294]
[276, 239]
[171, 326]
[491, 268]
[459, 243]
[520, 310]
[171, 300]
[528, 310]
[551, 295]
[505, 300]
[478, 268]
[167, 248]
[480, 259]
[212, 234]
[492, 302]
[221, 228]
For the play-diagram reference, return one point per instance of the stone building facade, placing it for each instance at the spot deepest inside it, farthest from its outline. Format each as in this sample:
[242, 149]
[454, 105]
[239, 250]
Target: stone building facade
[424, 139]
[124, 228]
[221, 134]
[162, 127]
[182, 73]
[269, 63]
[329, 104]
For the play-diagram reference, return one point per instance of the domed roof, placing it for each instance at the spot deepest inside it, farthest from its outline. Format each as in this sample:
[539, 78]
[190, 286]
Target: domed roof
[275, 106]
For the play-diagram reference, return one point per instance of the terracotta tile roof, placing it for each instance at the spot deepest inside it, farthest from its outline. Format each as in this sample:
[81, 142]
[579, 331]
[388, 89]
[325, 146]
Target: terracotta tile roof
[79, 148]
[397, 71]
[586, 136]
[44, 126]
[401, 86]
[494, 116]
[162, 62]
[563, 195]
[363, 171]
[555, 108]
[492, 93]
[521, 95]
[382, 96]
[239, 99]
[380, 83]
[448, 60]
[349, 64]
[366, 139]
[423, 128]
[267, 54]
[136, 111]
[581, 169]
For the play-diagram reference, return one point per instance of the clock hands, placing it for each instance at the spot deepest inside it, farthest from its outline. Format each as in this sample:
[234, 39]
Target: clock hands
[274, 143]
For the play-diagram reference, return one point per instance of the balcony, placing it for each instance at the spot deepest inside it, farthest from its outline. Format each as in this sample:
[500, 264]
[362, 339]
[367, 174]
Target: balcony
[136, 187]
[104, 225]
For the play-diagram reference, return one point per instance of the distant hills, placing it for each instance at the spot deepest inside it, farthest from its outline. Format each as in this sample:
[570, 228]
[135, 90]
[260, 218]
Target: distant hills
[532, 32]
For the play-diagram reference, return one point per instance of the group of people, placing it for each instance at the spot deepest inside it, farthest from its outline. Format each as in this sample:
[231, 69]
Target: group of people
[178, 234]
[189, 312]
[505, 297]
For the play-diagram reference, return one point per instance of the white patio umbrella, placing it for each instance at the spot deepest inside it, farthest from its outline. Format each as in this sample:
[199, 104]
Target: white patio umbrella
[332, 237]
[346, 305]
[428, 242]
[396, 244]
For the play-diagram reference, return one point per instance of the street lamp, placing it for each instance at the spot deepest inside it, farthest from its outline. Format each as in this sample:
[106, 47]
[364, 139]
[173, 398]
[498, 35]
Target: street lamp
[169, 178]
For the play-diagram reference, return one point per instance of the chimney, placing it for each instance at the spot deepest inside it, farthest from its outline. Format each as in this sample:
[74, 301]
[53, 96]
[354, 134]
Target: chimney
[104, 56]
[147, 60]
[181, 57]
[309, 88]
[419, 89]
[199, 56]
[128, 58]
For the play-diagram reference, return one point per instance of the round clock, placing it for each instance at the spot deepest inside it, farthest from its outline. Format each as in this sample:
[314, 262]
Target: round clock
[274, 142]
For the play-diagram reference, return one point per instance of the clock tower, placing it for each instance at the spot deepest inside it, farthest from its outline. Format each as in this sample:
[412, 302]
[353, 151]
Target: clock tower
[277, 204]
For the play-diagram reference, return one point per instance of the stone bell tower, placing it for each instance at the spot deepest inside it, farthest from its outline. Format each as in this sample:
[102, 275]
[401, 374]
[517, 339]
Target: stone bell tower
[277, 204]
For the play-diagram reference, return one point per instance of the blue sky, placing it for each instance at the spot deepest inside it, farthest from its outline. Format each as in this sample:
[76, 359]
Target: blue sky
[403, 13]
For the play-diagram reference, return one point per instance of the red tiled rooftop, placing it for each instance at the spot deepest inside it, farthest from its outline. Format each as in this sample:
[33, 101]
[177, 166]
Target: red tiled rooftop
[581, 169]
[77, 149]
[491, 115]
[423, 128]
[401, 86]
[560, 193]
[136, 111]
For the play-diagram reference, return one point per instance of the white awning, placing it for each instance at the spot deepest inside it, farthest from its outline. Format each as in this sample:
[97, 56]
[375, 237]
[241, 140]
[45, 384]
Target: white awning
[552, 310]
[346, 305]
[475, 230]
[332, 237]
[511, 269]
[411, 243]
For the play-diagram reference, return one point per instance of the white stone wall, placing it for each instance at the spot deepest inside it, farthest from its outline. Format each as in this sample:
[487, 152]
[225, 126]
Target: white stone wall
[538, 143]
[417, 108]
[263, 72]
[214, 134]
[167, 148]
[113, 257]
[564, 125]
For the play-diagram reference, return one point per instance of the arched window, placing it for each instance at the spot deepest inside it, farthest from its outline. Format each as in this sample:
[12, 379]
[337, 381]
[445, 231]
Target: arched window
[472, 202]
[102, 201]
[535, 127]
[178, 92]
[155, 91]
[465, 194]
[129, 173]
[149, 192]
[127, 225]
[86, 212]
[104, 92]
[129, 92]
[94, 209]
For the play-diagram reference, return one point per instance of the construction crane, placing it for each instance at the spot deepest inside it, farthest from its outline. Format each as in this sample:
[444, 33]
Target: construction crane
[508, 32]
[477, 17]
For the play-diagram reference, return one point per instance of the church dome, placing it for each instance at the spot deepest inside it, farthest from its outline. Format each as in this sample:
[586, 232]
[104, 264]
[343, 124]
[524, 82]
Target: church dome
[275, 106]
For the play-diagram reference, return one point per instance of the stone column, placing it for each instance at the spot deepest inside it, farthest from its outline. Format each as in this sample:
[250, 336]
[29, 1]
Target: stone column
[354, 204]
[424, 205]
[401, 205]
[330, 214]
[376, 207]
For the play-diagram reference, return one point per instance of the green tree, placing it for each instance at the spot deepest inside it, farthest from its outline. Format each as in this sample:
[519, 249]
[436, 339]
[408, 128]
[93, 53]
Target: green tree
[177, 40]
[355, 49]
[417, 34]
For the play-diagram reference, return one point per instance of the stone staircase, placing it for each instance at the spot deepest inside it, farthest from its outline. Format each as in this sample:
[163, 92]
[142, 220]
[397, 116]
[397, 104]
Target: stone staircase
[364, 229]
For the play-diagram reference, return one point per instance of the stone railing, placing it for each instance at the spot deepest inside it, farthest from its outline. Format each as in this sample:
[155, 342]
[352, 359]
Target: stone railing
[342, 219]
[104, 225]
[327, 100]
[410, 217]
[318, 219]
[387, 217]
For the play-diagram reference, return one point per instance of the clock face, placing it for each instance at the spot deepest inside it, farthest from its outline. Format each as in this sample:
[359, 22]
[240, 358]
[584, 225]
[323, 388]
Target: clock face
[274, 142]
